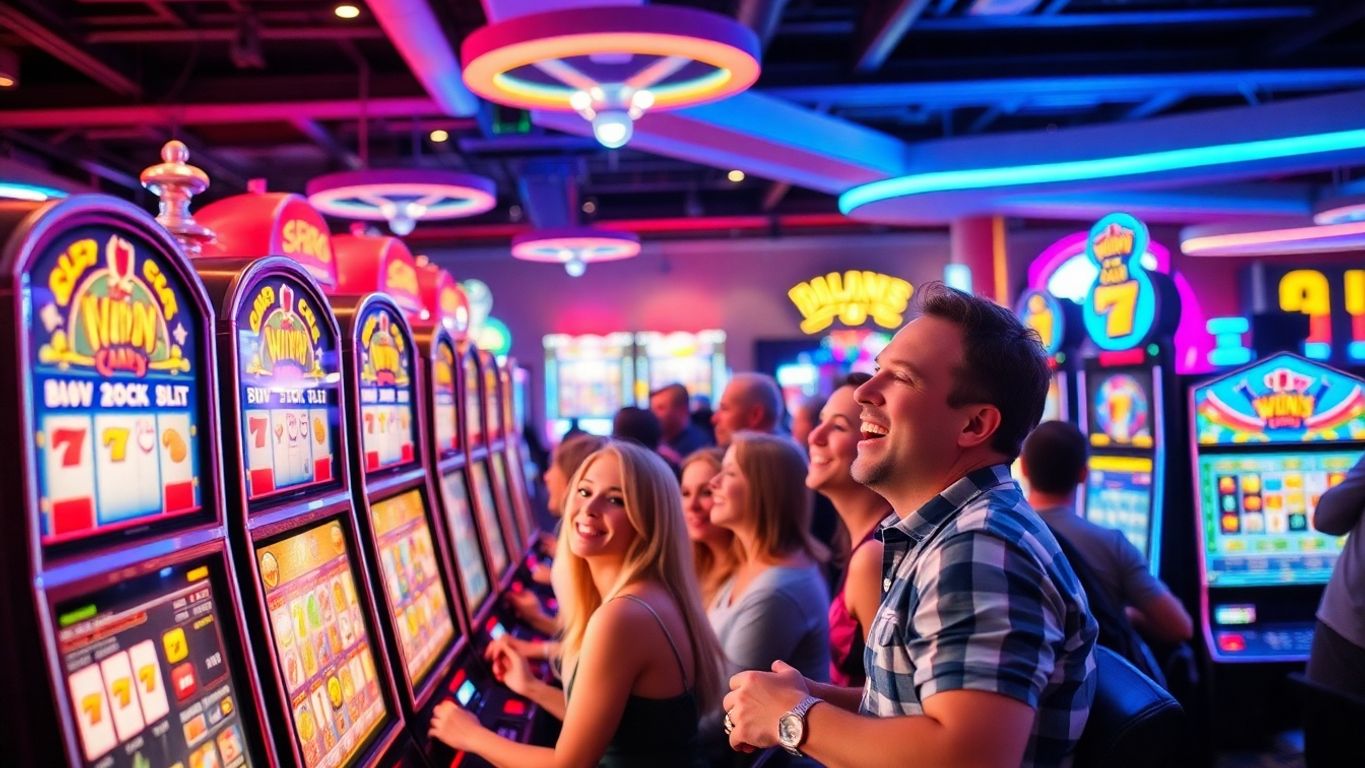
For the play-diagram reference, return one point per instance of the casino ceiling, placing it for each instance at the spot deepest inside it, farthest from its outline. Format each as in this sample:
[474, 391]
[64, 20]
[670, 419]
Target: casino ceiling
[850, 93]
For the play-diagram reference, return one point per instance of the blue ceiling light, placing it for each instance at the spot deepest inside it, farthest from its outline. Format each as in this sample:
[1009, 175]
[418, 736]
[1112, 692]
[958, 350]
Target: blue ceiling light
[1098, 168]
[15, 191]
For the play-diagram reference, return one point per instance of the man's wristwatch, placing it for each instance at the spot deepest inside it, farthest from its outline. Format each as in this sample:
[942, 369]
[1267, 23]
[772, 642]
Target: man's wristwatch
[791, 727]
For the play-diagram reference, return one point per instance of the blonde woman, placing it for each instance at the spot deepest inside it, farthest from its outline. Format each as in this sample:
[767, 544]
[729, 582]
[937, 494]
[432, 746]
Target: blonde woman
[714, 550]
[641, 659]
[776, 604]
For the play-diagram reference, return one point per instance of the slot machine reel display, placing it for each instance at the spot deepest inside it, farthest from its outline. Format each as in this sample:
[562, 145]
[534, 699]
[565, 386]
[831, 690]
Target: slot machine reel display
[1269, 439]
[121, 592]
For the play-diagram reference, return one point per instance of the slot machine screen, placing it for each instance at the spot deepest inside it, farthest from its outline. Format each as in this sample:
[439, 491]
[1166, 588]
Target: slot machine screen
[473, 404]
[290, 378]
[322, 643]
[412, 581]
[148, 673]
[444, 410]
[494, 394]
[388, 429]
[114, 369]
[503, 491]
[488, 516]
[1257, 513]
[1118, 494]
[468, 553]
[1120, 408]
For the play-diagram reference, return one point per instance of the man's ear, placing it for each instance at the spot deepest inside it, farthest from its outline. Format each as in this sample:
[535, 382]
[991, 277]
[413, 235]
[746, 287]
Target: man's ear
[982, 422]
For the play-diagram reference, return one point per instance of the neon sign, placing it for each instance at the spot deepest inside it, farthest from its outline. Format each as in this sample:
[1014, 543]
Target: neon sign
[1310, 292]
[1282, 399]
[852, 297]
[1042, 312]
[1120, 310]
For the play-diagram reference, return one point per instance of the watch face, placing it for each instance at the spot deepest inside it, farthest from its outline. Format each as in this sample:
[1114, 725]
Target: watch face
[789, 730]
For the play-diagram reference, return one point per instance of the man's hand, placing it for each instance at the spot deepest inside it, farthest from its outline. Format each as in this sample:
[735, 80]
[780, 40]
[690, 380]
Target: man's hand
[757, 700]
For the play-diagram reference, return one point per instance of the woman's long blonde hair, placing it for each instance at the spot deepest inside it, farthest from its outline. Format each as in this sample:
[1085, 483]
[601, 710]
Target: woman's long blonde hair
[713, 569]
[778, 502]
[659, 553]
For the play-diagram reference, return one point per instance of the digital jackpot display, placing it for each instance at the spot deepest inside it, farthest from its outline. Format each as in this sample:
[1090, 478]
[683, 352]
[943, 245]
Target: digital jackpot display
[148, 674]
[388, 426]
[289, 374]
[473, 406]
[412, 581]
[468, 554]
[445, 407]
[488, 518]
[321, 643]
[117, 395]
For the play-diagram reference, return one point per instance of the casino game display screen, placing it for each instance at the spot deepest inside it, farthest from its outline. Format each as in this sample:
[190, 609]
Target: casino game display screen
[412, 581]
[468, 553]
[1120, 408]
[501, 488]
[321, 641]
[1118, 494]
[488, 517]
[1258, 517]
[114, 369]
[473, 406]
[148, 675]
[290, 377]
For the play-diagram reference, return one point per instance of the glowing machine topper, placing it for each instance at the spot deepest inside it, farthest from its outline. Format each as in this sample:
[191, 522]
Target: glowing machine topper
[852, 297]
[1282, 399]
[116, 397]
[1120, 310]
[1043, 312]
[386, 388]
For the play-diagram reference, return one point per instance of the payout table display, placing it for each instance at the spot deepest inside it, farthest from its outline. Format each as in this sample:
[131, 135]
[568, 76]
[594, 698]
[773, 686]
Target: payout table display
[416, 600]
[323, 643]
[116, 395]
[389, 429]
[290, 377]
[473, 572]
[148, 673]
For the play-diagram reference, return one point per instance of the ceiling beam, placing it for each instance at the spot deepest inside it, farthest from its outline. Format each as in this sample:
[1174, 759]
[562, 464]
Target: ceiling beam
[290, 34]
[218, 114]
[324, 138]
[94, 167]
[44, 35]
[1113, 19]
[1344, 14]
[880, 29]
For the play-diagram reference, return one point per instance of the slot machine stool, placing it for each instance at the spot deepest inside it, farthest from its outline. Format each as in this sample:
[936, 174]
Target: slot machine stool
[1134, 723]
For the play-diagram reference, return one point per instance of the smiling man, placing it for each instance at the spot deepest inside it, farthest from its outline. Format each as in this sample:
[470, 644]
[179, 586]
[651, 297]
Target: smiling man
[981, 651]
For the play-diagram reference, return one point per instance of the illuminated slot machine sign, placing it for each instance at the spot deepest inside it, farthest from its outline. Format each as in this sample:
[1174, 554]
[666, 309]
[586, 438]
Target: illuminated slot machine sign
[1270, 438]
[695, 360]
[475, 435]
[1333, 299]
[117, 397]
[289, 383]
[389, 426]
[445, 403]
[318, 625]
[588, 378]
[146, 667]
[474, 583]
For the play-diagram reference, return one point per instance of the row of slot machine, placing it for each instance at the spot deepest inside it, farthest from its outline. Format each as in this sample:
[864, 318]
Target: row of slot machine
[265, 501]
[1213, 478]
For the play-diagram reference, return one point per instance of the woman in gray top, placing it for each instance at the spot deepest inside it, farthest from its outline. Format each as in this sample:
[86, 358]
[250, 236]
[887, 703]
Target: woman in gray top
[1338, 656]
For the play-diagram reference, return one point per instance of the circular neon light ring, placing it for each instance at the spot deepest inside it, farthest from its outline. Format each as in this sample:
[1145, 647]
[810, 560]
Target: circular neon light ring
[373, 195]
[557, 246]
[677, 39]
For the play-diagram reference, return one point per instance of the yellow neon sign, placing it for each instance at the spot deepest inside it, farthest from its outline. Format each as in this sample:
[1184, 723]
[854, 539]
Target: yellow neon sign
[852, 297]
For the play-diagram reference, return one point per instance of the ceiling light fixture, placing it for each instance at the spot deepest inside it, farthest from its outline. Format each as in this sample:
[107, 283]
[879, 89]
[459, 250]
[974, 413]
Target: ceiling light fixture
[402, 197]
[346, 11]
[736, 176]
[575, 247]
[439, 136]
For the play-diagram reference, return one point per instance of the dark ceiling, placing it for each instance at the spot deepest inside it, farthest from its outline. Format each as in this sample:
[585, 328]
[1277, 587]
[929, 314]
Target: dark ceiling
[284, 90]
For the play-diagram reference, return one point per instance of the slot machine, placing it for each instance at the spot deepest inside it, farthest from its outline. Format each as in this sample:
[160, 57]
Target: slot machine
[695, 360]
[125, 646]
[502, 440]
[588, 379]
[512, 381]
[504, 549]
[310, 604]
[401, 528]
[1058, 323]
[1125, 387]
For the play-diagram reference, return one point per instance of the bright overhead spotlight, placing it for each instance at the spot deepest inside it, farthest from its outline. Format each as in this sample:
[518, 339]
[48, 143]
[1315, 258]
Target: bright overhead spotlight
[346, 11]
[440, 136]
[736, 176]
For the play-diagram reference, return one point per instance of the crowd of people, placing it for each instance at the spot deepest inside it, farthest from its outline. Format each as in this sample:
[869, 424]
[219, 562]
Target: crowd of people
[950, 622]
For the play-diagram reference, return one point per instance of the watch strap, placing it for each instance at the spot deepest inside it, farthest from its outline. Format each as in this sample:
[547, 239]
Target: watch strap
[800, 711]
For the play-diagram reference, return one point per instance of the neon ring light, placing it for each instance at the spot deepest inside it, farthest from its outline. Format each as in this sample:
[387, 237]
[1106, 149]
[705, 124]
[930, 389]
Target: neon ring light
[402, 197]
[575, 247]
[612, 64]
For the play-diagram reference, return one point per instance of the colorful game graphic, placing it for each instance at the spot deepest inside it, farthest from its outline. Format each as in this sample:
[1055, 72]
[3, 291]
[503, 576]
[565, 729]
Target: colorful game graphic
[444, 414]
[1282, 399]
[692, 359]
[113, 358]
[473, 405]
[389, 430]
[148, 673]
[1121, 409]
[290, 374]
[588, 377]
[1118, 495]
[321, 643]
[1258, 517]
[1123, 308]
[407, 561]
[488, 519]
[468, 555]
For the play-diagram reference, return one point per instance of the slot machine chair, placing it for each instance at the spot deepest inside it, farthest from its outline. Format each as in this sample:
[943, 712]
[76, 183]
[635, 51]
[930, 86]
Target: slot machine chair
[1331, 725]
[1134, 723]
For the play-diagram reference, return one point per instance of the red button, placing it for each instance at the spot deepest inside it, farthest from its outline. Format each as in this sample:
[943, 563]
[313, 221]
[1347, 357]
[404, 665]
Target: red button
[1231, 642]
[182, 680]
[515, 707]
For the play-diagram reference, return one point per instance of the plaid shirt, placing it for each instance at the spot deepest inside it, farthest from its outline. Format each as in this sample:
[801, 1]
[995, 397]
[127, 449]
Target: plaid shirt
[977, 596]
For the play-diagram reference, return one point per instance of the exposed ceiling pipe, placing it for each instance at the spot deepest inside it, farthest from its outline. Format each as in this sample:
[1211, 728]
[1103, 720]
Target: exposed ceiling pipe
[72, 54]
[415, 32]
